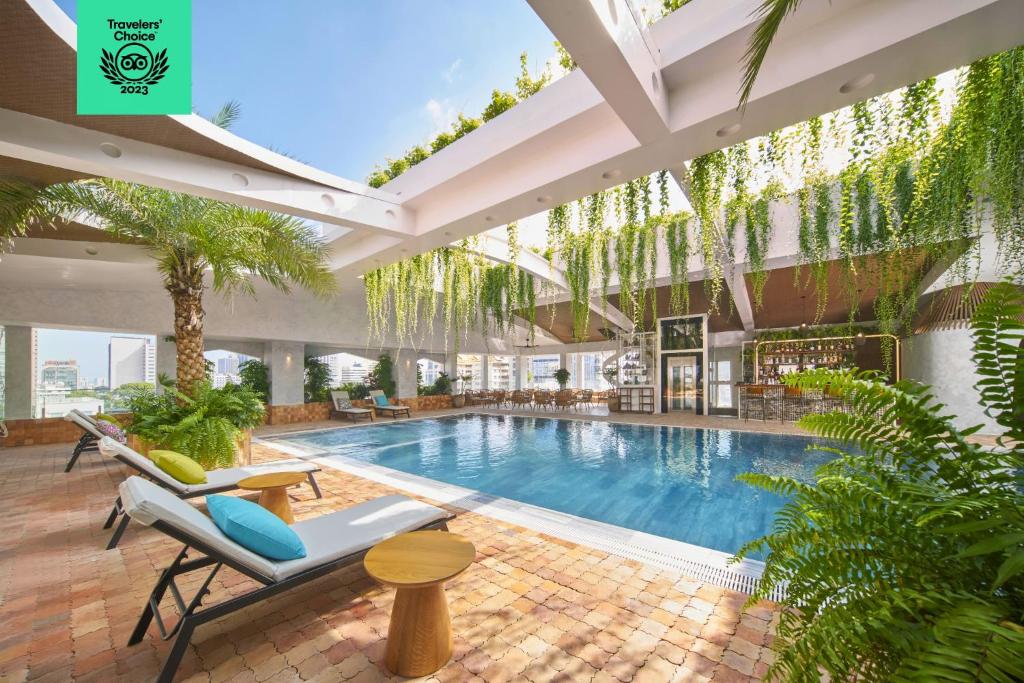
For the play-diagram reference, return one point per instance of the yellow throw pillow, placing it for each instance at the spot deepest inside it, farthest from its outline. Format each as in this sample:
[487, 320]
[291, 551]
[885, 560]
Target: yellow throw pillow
[109, 418]
[181, 467]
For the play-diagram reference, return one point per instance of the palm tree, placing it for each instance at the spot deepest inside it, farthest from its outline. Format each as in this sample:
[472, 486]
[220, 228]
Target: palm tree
[187, 236]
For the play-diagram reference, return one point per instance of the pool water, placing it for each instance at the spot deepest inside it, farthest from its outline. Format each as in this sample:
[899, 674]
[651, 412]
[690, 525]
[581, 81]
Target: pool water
[673, 482]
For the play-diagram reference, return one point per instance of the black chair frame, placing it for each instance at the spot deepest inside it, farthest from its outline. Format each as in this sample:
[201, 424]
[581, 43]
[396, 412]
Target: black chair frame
[190, 616]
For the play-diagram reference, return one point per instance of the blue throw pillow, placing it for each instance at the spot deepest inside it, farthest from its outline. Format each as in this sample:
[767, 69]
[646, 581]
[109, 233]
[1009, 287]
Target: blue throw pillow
[381, 400]
[255, 528]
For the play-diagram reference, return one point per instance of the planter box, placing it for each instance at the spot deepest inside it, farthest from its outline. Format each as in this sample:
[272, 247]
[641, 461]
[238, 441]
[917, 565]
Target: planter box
[243, 451]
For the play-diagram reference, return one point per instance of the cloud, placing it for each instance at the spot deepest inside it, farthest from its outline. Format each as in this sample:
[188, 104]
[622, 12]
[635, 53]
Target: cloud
[442, 114]
[452, 73]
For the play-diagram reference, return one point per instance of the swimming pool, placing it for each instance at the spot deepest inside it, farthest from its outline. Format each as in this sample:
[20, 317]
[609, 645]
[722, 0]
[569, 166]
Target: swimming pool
[672, 482]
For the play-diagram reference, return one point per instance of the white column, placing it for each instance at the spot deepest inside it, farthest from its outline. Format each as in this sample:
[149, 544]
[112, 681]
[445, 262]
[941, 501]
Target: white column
[563, 362]
[520, 371]
[405, 373]
[19, 372]
[287, 372]
[485, 371]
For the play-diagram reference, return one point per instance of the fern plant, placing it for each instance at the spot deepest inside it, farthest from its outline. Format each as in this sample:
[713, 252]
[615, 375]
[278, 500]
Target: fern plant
[204, 426]
[905, 559]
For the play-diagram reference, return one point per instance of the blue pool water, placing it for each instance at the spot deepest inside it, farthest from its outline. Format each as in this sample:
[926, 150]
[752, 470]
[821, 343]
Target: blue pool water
[668, 481]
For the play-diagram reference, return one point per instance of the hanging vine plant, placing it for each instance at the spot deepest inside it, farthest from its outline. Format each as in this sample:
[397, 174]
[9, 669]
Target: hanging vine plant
[677, 244]
[708, 178]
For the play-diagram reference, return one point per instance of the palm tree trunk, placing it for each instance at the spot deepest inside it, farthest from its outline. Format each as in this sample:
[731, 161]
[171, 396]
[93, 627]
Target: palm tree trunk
[187, 295]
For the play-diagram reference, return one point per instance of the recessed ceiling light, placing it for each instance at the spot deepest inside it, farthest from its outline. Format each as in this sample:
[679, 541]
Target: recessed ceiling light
[328, 200]
[489, 218]
[240, 180]
[447, 234]
[857, 83]
[728, 130]
[389, 212]
[614, 173]
[92, 251]
[544, 199]
[110, 149]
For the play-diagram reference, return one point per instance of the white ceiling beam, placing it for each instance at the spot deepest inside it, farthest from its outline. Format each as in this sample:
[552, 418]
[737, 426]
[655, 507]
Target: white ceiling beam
[613, 48]
[44, 141]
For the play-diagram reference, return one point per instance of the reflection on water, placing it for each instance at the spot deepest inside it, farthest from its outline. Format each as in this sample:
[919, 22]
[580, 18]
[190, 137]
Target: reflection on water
[668, 481]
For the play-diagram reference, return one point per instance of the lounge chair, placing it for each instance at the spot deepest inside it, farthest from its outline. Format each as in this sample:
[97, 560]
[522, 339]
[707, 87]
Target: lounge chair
[390, 409]
[343, 406]
[332, 541]
[90, 436]
[217, 481]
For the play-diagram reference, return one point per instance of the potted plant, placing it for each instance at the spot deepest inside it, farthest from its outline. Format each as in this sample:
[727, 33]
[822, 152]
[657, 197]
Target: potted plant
[210, 426]
[459, 399]
[562, 377]
[611, 375]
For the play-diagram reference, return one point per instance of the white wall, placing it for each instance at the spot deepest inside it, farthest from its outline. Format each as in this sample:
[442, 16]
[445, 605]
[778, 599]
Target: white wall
[943, 360]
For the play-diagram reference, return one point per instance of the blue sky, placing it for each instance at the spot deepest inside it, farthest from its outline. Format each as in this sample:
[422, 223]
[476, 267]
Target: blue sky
[343, 85]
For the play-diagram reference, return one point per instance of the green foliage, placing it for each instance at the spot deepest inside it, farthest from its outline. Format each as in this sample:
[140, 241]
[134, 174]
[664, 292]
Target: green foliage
[904, 560]
[383, 376]
[670, 6]
[562, 377]
[317, 385]
[255, 376]
[442, 386]
[227, 115]
[205, 425]
[565, 59]
[771, 13]
[356, 390]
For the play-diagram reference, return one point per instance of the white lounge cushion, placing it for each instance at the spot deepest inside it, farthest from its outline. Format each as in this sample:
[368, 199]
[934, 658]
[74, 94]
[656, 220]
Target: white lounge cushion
[145, 502]
[140, 463]
[215, 479]
[83, 421]
[327, 538]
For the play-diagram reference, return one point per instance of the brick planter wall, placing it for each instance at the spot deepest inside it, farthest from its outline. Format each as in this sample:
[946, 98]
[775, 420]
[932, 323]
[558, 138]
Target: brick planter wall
[42, 431]
[58, 430]
[302, 412]
[414, 402]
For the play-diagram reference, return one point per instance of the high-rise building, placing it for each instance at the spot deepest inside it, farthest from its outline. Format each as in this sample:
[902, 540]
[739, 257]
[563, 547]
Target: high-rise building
[132, 360]
[347, 368]
[502, 371]
[60, 373]
[228, 365]
[429, 370]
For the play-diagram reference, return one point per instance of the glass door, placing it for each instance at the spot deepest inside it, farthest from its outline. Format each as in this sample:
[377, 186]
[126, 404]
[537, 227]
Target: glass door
[682, 384]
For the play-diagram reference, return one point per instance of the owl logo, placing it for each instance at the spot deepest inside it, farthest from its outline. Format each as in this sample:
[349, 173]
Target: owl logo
[134, 63]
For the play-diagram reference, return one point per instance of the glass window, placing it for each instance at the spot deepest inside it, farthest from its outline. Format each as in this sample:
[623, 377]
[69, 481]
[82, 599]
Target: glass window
[587, 370]
[347, 368]
[501, 372]
[471, 364]
[540, 372]
[680, 334]
[89, 371]
[429, 371]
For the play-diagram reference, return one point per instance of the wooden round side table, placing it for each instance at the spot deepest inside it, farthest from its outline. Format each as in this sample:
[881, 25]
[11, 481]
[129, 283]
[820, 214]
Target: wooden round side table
[273, 488]
[418, 564]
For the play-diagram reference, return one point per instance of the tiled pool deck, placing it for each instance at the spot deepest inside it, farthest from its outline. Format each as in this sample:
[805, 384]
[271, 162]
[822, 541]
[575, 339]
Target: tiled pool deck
[531, 608]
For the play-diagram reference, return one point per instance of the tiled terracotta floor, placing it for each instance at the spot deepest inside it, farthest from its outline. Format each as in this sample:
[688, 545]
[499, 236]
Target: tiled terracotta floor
[531, 608]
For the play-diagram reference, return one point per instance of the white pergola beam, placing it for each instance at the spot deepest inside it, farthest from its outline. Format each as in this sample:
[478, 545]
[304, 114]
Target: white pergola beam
[44, 141]
[614, 49]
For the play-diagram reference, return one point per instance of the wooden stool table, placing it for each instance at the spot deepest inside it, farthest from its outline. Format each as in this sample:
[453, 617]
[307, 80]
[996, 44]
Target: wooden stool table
[418, 564]
[273, 488]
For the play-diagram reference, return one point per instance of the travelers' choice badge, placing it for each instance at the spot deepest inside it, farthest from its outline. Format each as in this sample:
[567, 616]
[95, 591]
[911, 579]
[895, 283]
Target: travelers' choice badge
[134, 57]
